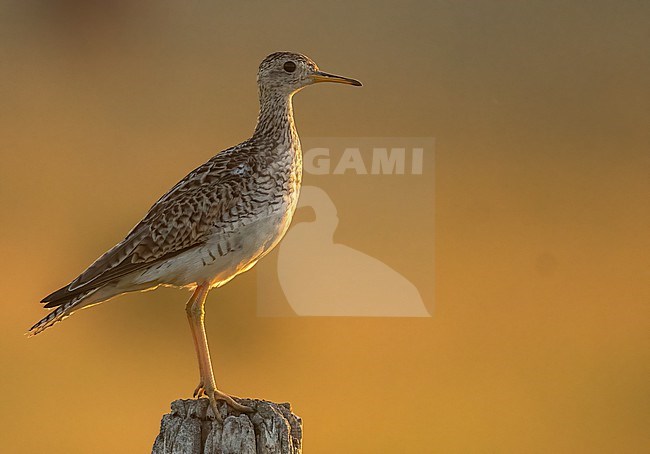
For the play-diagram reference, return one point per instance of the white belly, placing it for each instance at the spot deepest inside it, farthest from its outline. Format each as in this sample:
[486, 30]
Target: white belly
[215, 264]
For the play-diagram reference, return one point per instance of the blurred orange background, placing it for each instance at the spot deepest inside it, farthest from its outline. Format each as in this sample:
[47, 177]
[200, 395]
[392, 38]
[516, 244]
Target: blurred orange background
[539, 340]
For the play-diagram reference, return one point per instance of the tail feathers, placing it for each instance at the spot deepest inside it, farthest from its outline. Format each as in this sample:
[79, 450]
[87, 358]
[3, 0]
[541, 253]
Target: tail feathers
[59, 313]
[62, 296]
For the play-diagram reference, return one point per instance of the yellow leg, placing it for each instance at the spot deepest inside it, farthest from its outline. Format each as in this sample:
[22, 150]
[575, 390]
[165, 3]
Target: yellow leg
[196, 315]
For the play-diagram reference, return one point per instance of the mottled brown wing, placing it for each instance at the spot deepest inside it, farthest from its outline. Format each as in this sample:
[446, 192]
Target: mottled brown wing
[180, 220]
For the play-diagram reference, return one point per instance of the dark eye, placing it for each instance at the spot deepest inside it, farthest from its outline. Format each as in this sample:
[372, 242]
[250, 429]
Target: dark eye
[289, 66]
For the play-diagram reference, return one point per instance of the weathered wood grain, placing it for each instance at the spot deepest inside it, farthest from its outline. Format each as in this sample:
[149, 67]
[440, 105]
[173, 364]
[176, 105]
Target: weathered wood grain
[190, 428]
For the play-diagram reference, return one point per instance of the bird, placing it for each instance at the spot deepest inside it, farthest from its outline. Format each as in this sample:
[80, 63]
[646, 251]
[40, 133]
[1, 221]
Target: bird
[215, 223]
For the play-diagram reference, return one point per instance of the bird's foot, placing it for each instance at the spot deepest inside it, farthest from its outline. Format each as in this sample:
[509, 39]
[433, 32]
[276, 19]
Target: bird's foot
[213, 394]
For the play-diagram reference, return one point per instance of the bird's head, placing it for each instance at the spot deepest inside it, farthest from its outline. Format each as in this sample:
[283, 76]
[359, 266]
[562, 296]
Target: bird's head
[284, 73]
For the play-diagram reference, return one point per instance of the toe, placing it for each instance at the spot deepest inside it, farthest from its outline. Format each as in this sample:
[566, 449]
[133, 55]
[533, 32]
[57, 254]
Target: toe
[213, 405]
[233, 403]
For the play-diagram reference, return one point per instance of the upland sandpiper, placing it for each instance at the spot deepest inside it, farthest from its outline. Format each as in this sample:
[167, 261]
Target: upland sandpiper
[216, 223]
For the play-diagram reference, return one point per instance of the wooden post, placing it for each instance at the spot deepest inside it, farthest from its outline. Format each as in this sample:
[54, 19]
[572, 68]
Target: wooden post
[190, 428]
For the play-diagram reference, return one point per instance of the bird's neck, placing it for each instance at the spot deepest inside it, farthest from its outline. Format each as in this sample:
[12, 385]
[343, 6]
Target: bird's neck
[275, 121]
[276, 135]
